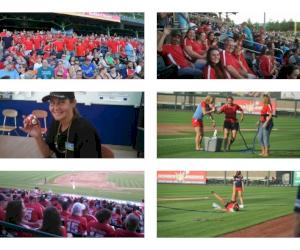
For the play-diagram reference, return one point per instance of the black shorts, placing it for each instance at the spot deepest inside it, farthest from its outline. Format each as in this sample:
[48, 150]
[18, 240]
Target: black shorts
[231, 125]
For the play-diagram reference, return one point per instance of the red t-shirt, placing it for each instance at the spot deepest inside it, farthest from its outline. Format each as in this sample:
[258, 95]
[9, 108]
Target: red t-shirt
[33, 212]
[125, 233]
[196, 46]
[228, 59]
[80, 50]
[230, 112]
[59, 45]
[116, 219]
[37, 41]
[242, 59]
[209, 72]
[28, 44]
[76, 225]
[96, 229]
[177, 54]
[265, 111]
[70, 43]
[114, 46]
[266, 65]
[89, 218]
[64, 215]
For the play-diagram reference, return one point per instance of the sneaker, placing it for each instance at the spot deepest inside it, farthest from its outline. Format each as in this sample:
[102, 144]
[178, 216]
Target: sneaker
[242, 206]
[215, 206]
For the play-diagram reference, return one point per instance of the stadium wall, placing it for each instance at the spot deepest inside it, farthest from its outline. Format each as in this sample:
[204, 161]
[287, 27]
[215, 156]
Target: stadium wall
[115, 124]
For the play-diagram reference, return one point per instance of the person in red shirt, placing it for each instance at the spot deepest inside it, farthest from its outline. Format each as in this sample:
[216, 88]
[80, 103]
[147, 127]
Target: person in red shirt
[33, 211]
[193, 50]
[59, 47]
[267, 64]
[116, 217]
[206, 107]
[239, 55]
[65, 214]
[175, 54]
[86, 214]
[101, 227]
[70, 43]
[131, 227]
[80, 50]
[3, 204]
[14, 215]
[231, 123]
[52, 222]
[229, 207]
[265, 125]
[29, 45]
[214, 69]
[230, 63]
[76, 224]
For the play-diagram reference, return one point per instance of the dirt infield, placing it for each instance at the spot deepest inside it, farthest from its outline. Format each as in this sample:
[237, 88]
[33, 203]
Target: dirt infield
[280, 227]
[96, 180]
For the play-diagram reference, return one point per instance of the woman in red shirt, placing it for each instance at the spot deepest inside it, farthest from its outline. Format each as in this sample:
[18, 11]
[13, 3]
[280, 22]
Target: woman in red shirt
[52, 222]
[214, 69]
[267, 64]
[265, 124]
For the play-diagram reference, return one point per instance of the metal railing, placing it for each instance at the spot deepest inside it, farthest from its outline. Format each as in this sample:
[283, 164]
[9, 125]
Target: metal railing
[17, 228]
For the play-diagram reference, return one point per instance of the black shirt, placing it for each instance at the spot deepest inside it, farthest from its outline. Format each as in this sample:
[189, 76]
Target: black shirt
[238, 180]
[82, 142]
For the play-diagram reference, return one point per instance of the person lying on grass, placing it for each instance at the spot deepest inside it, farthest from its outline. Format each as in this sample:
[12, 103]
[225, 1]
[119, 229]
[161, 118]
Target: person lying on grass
[226, 206]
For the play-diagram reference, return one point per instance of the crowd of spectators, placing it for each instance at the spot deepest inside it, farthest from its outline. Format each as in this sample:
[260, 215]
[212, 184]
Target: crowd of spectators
[192, 46]
[68, 216]
[47, 55]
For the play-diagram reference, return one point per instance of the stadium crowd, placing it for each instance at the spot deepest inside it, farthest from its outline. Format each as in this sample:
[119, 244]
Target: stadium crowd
[199, 46]
[68, 216]
[46, 55]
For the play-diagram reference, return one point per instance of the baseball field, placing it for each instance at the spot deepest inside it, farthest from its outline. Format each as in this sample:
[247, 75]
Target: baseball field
[175, 136]
[186, 211]
[127, 186]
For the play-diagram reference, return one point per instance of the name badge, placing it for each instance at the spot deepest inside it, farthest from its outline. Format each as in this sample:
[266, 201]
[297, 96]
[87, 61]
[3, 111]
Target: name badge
[69, 146]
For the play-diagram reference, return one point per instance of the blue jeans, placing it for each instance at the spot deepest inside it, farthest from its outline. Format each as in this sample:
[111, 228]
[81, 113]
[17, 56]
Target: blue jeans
[264, 134]
[189, 71]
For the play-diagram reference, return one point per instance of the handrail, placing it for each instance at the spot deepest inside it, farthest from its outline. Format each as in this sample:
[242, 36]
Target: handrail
[18, 228]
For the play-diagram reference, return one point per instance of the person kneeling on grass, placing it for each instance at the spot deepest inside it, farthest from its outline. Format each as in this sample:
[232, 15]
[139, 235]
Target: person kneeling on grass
[229, 207]
[206, 107]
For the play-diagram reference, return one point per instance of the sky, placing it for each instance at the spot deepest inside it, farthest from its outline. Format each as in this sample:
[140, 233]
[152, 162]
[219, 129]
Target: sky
[259, 16]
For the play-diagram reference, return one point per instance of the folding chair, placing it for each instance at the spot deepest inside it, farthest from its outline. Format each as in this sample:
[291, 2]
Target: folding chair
[9, 113]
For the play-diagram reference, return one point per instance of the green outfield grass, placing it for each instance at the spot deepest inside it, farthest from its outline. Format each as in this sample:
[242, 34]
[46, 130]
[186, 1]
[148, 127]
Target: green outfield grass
[285, 137]
[186, 210]
[30, 179]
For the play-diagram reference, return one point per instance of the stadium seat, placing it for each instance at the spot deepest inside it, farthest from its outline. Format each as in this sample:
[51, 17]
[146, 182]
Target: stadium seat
[9, 113]
[165, 72]
[41, 114]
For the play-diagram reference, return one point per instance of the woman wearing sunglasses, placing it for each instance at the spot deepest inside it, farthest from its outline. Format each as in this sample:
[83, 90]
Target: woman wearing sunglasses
[69, 136]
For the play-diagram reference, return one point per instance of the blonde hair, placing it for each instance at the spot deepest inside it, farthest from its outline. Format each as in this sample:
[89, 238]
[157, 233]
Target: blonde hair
[266, 99]
[209, 99]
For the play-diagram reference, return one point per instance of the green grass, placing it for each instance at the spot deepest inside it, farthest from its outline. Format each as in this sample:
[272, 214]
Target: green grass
[31, 179]
[197, 218]
[285, 137]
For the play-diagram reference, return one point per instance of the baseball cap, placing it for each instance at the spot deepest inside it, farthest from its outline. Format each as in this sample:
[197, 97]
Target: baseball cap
[175, 33]
[78, 208]
[60, 95]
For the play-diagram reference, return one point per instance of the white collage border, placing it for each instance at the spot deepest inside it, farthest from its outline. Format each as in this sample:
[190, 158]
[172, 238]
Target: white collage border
[150, 86]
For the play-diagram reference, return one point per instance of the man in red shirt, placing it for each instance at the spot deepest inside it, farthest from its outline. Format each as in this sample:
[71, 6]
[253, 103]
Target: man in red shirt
[59, 46]
[33, 211]
[70, 42]
[76, 224]
[231, 123]
[131, 226]
[65, 214]
[175, 54]
[28, 45]
[230, 63]
[80, 49]
[101, 227]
